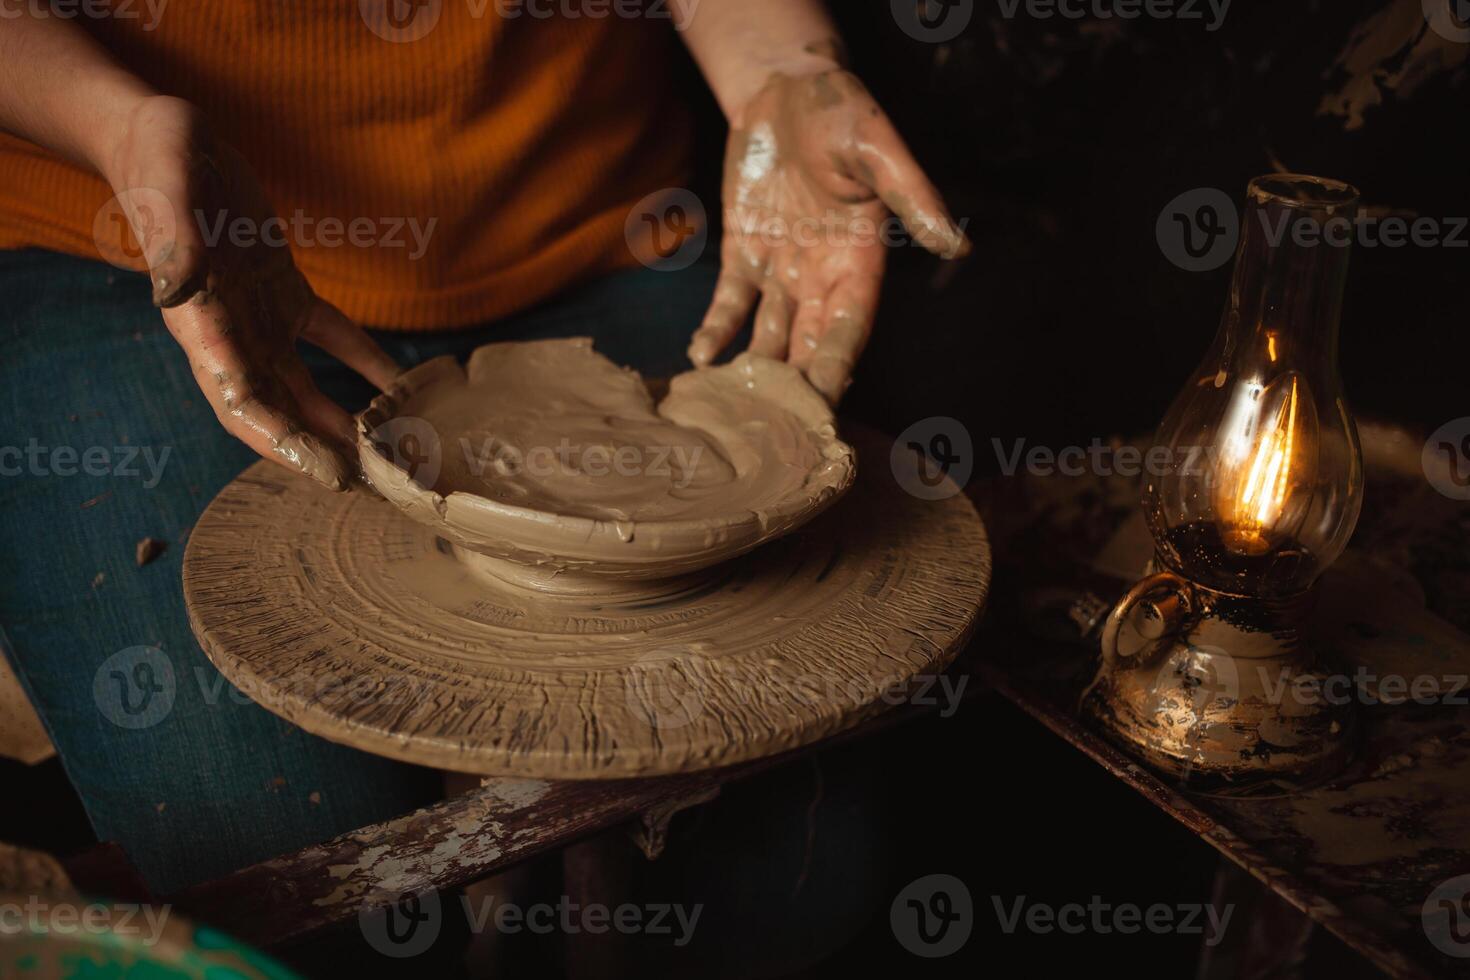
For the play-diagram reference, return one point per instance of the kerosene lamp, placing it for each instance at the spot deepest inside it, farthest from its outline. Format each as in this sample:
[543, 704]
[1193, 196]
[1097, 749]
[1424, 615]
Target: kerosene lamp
[1206, 673]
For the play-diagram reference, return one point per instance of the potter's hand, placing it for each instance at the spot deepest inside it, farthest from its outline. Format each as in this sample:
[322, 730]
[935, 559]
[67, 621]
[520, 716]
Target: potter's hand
[812, 170]
[236, 303]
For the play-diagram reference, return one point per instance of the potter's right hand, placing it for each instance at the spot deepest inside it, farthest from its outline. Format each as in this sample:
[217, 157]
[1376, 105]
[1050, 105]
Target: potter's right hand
[236, 303]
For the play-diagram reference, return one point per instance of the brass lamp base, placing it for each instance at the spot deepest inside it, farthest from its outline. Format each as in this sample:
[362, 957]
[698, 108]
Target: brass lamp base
[1218, 691]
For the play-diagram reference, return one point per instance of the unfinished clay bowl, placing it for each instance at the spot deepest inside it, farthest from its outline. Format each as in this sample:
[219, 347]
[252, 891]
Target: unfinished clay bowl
[555, 467]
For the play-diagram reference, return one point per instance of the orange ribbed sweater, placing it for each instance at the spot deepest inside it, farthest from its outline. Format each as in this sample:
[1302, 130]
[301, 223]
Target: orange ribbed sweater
[524, 140]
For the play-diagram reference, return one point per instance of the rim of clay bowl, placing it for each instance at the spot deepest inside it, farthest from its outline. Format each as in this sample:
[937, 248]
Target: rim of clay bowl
[570, 543]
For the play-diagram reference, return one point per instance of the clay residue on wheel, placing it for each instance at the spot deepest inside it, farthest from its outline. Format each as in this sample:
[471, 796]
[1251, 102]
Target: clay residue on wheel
[547, 452]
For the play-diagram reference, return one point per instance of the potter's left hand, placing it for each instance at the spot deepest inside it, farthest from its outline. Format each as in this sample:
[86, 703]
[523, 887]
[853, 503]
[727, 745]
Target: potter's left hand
[812, 171]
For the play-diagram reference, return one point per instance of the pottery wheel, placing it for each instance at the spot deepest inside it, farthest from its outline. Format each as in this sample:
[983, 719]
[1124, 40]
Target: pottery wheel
[346, 617]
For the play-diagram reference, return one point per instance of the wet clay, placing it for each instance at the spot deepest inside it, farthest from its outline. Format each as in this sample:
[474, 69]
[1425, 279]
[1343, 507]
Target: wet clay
[363, 625]
[546, 454]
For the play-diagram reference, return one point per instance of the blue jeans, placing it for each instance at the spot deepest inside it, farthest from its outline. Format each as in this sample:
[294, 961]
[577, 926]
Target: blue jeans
[105, 441]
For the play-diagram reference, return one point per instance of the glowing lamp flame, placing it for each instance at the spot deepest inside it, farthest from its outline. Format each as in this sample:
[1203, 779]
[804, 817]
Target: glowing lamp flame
[1261, 481]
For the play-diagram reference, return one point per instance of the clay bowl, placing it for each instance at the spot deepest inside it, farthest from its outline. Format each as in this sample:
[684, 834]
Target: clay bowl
[774, 461]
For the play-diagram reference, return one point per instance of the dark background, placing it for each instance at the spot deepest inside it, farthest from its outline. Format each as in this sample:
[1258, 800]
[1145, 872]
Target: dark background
[1061, 141]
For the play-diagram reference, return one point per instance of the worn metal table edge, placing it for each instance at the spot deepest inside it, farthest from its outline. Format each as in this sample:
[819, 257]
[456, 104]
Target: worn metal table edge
[1356, 934]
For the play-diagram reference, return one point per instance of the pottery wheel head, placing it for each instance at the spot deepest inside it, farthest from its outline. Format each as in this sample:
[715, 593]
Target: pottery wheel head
[344, 616]
[548, 456]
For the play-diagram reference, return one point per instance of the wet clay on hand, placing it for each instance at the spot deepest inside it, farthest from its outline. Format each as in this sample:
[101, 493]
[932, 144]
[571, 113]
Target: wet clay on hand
[547, 454]
[236, 302]
[812, 170]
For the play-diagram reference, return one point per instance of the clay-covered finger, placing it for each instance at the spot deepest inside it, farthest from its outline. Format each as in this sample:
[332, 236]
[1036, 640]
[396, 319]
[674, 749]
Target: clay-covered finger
[885, 164]
[728, 310]
[203, 326]
[806, 330]
[320, 413]
[772, 331]
[255, 407]
[850, 311]
[330, 329]
[274, 434]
